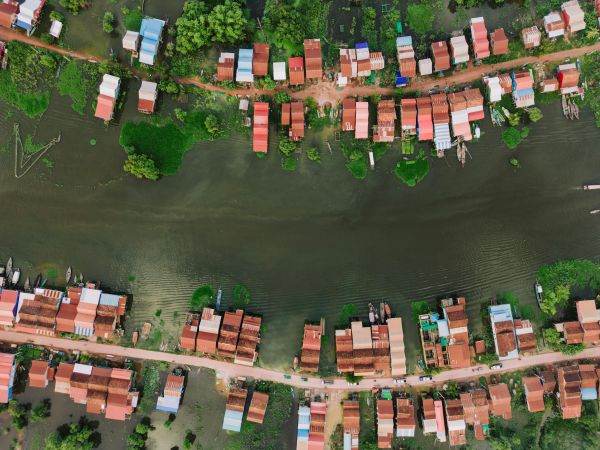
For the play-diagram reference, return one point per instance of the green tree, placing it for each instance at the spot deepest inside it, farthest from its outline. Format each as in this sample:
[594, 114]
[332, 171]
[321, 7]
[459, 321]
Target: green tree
[283, 24]
[514, 119]
[313, 154]
[203, 296]
[192, 28]
[555, 298]
[18, 414]
[227, 23]
[169, 86]
[41, 411]
[55, 15]
[108, 22]
[141, 166]
[74, 6]
[282, 97]
[212, 124]
[349, 310]
[511, 137]
[418, 308]
[534, 114]
[287, 147]
[77, 436]
[241, 296]
[420, 17]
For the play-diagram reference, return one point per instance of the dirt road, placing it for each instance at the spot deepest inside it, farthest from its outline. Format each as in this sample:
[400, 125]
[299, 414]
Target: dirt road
[227, 369]
[327, 91]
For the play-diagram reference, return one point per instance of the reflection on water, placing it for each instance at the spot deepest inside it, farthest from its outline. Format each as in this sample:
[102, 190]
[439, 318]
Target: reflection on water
[307, 242]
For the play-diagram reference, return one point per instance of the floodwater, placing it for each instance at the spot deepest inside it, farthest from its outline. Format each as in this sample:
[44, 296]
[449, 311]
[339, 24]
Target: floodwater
[304, 243]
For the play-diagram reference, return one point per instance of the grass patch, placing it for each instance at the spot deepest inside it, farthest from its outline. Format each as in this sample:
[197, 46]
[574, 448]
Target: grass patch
[33, 104]
[412, 171]
[132, 18]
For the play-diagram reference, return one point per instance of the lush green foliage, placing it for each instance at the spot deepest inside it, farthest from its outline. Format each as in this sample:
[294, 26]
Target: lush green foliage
[241, 296]
[287, 147]
[421, 17]
[349, 310]
[282, 97]
[108, 22]
[202, 297]
[534, 113]
[150, 382]
[79, 81]
[18, 414]
[74, 6]
[289, 163]
[313, 154]
[559, 279]
[137, 439]
[55, 15]
[418, 308]
[553, 340]
[590, 70]
[355, 152]
[141, 166]
[368, 26]
[581, 434]
[512, 136]
[75, 436]
[132, 18]
[197, 27]
[412, 171]
[41, 411]
[519, 311]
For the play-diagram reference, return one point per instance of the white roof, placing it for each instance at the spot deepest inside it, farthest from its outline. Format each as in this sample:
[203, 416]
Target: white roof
[91, 296]
[82, 368]
[148, 90]
[56, 28]
[279, 73]
[500, 313]
[460, 116]
[130, 40]
[454, 425]
[147, 58]
[226, 55]
[425, 66]
[443, 329]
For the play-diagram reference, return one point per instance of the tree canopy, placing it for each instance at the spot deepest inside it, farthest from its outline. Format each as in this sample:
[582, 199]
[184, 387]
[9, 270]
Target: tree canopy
[198, 27]
[283, 24]
[421, 17]
[76, 436]
[141, 166]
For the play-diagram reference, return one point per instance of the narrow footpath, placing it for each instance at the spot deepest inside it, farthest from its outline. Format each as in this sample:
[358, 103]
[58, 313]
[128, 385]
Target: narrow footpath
[230, 370]
[327, 91]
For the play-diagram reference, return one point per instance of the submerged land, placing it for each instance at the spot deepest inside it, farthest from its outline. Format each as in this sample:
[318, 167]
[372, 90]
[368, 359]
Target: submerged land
[304, 236]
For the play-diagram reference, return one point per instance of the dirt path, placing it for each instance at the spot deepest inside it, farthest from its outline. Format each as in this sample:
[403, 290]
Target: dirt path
[230, 370]
[327, 91]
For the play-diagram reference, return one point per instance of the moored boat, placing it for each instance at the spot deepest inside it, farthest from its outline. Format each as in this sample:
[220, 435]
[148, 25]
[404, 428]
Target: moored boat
[68, 275]
[591, 187]
[27, 285]
[16, 275]
[538, 293]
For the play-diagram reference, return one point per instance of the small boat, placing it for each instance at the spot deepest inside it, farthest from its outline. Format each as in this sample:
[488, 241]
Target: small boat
[37, 281]
[538, 293]
[68, 275]
[295, 363]
[586, 187]
[80, 278]
[43, 282]
[2, 282]
[595, 211]
[146, 327]
[219, 295]
[388, 310]
[16, 275]
[9, 265]
[134, 338]
[1, 270]
[372, 314]
[27, 285]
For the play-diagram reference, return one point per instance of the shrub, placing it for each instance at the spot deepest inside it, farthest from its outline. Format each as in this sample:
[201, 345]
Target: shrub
[141, 166]
[202, 296]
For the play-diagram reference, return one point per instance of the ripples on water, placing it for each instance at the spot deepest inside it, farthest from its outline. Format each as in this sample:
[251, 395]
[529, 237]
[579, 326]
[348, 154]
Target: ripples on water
[308, 242]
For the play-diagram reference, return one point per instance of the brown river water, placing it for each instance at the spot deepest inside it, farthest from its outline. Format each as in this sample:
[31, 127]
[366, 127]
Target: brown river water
[304, 243]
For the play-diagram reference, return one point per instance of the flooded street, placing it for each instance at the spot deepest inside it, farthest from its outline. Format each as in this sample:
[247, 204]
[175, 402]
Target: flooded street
[304, 243]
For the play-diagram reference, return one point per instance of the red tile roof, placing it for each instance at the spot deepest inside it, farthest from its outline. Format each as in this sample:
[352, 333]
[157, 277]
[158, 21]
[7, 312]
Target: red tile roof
[105, 107]
[296, 68]
[500, 401]
[441, 55]
[260, 59]
[260, 136]
[313, 58]
[258, 406]
[499, 42]
[348, 114]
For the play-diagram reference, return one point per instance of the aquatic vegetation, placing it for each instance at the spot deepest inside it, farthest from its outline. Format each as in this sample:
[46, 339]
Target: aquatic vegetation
[512, 136]
[92, 142]
[558, 280]
[33, 104]
[202, 297]
[289, 163]
[355, 152]
[349, 310]
[141, 166]
[313, 154]
[241, 296]
[79, 81]
[412, 171]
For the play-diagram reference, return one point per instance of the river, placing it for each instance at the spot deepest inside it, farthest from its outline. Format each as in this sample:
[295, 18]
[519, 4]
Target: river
[304, 243]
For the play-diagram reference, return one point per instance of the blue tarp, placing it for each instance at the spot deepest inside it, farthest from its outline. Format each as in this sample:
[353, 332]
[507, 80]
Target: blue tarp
[362, 45]
[400, 80]
[523, 92]
[589, 393]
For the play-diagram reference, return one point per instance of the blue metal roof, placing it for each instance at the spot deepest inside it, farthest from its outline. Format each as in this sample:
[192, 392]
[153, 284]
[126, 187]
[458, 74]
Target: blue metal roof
[303, 433]
[523, 92]
[109, 299]
[401, 41]
[152, 28]
[24, 25]
[362, 45]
